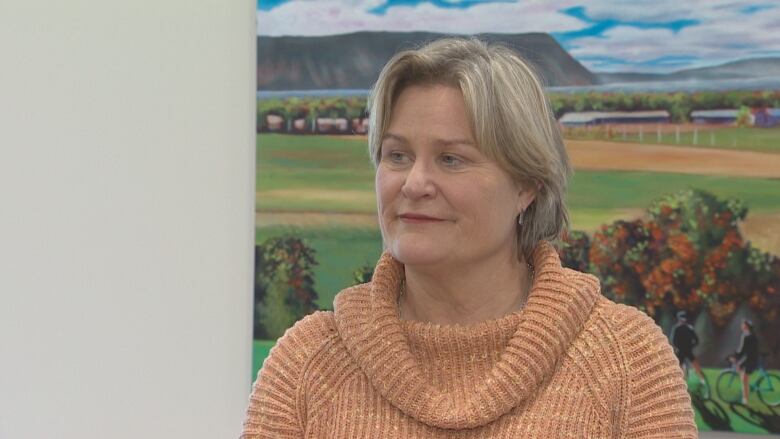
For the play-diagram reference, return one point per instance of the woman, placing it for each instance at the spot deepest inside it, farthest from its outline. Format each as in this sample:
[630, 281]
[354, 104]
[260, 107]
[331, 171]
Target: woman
[746, 357]
[470, 327]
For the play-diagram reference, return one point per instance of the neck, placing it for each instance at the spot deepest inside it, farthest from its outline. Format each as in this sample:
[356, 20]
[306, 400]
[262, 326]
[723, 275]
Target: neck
[489, 290]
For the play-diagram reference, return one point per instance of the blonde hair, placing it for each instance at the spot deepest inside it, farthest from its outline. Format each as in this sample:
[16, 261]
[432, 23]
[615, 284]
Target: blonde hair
[510, 116]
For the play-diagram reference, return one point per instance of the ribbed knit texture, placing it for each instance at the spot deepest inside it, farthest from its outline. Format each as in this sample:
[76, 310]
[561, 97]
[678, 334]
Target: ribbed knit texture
[570, 364]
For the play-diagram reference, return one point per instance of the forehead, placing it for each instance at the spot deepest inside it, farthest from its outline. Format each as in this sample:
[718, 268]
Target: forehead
[430, 110]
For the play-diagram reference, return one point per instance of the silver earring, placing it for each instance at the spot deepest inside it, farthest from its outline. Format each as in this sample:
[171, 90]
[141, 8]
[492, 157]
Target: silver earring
[520, 217]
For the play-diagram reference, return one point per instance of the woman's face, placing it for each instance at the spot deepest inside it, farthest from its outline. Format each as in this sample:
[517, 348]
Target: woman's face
[440, 200]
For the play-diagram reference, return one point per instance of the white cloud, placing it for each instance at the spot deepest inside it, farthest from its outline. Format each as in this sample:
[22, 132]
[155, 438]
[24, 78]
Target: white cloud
[720, 38]
[724, 32]
[334, 17]
[661, 11]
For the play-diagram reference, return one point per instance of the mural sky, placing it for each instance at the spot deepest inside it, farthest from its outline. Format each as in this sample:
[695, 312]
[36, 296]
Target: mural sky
[604, 35]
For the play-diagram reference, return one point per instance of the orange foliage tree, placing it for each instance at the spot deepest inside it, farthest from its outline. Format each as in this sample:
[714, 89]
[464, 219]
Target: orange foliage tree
[688, 254]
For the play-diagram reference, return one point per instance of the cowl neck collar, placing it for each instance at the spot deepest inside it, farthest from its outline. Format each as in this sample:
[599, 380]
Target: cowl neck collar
[558, 305]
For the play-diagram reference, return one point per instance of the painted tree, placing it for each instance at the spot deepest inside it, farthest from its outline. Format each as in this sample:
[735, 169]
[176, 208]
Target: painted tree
[617, 255]
[574, 249]
[284, 284]
[688, 255]
[696, 253]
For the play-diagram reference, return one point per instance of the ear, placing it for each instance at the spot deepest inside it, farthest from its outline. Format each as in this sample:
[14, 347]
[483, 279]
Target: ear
[527, 194]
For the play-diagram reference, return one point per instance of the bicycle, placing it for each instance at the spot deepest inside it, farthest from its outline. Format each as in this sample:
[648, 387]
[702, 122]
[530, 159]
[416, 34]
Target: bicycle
[698, 387]
[729, 384]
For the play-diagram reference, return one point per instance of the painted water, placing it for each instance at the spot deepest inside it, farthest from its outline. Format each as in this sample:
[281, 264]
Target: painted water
[692, 85]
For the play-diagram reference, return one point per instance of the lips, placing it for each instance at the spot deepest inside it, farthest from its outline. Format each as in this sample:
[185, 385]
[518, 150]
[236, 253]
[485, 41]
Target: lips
[418, 217]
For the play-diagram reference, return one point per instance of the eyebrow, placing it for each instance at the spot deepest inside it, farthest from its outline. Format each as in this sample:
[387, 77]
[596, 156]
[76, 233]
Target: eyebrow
[439, 142]
[451, 142]
[392, 136]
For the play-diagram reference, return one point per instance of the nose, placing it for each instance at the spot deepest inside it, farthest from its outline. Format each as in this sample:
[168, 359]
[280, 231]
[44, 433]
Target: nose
[419, 182]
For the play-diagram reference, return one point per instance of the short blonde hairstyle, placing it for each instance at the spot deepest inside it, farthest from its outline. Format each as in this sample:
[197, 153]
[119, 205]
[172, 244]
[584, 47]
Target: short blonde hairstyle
[510, 116]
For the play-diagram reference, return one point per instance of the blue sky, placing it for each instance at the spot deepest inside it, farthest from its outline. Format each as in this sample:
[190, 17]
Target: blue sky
[604, 35]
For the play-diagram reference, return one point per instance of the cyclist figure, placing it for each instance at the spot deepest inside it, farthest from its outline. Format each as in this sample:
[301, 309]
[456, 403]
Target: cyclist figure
[746, 357]
[684, 339]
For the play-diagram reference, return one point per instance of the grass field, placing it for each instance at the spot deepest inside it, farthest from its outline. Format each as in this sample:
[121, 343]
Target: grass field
[329, 174]
[339, 252]
[742, 138]
[321, 162]
[333, 174]
[591, 189]
[737, 138]
[260, 350]
[588, 190]
[735, 412]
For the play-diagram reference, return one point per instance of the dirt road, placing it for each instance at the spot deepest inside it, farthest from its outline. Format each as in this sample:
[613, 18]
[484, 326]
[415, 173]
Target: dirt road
[615, 156]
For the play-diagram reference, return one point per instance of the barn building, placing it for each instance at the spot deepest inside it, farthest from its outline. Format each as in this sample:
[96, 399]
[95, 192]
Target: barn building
[587, 118]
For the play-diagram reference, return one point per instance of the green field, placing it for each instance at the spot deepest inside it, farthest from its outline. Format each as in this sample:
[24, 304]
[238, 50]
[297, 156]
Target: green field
[339, 251]
[734, 412]
[740, 138]
[737, 138]
[328, 174]
[594, 190]
[260, 350]
[322, 162]
[588, 190]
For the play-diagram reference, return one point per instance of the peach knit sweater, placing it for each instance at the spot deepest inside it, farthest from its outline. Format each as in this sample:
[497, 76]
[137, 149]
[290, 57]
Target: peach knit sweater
[570, 364]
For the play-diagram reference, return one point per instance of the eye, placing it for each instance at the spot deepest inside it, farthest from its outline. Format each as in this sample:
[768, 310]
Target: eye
[451, 160]
[396, 157]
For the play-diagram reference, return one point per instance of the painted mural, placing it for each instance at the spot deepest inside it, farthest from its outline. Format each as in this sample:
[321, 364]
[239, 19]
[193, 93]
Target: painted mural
[671, 114]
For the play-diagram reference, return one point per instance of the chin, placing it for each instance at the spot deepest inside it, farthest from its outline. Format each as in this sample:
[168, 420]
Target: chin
[418, 251]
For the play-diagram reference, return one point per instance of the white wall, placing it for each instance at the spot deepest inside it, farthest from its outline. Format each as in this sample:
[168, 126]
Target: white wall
[126, 217]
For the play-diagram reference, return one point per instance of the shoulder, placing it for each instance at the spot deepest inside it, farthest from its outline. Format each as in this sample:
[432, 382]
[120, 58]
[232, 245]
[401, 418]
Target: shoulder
[628, 319]
[637, 335]
[293, 351]
[653, 395]
[307, 335]
[613, 334]
[629, 342]
[318, 322]
[277, 405]
[626, 322]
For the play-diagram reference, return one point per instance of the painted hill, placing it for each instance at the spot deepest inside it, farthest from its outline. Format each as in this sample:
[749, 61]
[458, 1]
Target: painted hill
[354, 60]
[742, 69]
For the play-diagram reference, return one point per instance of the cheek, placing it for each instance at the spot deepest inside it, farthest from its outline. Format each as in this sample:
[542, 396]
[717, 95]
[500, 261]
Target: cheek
[388, 186]
[493, 205]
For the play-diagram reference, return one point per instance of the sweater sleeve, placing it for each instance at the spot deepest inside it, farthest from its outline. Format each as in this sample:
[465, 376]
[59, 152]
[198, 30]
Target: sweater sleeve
[277, 403]
[657, 400]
